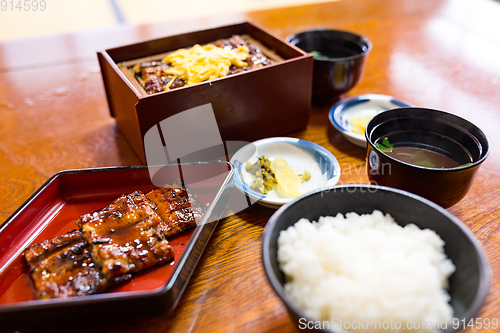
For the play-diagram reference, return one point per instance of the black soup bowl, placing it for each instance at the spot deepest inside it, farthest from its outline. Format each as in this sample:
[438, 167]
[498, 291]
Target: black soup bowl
[339, 61]
[434, 133]
[468, 285]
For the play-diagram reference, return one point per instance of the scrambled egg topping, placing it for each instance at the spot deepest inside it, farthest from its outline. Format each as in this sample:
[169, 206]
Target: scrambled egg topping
[202, 63]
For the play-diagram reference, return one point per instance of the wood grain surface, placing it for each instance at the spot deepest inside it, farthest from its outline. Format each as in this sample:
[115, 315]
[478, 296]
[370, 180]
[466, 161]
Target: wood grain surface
[441, 54]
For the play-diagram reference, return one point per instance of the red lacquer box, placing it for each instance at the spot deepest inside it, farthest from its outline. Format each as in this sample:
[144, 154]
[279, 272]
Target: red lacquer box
[269, 101]
[52, 211]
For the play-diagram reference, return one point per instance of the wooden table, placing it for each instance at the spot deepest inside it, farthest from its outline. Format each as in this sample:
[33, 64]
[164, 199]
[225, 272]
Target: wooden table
[441, 54]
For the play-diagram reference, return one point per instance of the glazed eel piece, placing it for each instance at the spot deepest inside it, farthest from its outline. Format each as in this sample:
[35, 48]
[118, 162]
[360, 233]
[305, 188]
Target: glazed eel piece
[62, 267]
[127, 236]
[130, 234]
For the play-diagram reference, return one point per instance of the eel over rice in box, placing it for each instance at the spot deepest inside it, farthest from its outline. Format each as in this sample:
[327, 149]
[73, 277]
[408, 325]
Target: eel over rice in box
[127, 236]
[200, 63]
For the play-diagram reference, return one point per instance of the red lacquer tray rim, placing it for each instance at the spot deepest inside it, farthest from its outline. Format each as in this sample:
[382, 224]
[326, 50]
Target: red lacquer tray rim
[125, 295]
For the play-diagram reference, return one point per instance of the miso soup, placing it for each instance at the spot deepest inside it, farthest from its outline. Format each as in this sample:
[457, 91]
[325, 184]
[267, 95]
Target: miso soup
[421, 157]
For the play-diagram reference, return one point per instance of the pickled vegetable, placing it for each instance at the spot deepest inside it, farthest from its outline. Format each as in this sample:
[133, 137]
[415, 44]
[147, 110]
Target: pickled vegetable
[264, 178]
[358, 125]
[286, 176]
[305, 176]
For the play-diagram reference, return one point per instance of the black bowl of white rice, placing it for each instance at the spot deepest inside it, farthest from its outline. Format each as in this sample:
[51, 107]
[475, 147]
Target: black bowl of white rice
[361, 258]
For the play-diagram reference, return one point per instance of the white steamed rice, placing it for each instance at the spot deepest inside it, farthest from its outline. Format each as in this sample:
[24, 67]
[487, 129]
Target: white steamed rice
[366, 267]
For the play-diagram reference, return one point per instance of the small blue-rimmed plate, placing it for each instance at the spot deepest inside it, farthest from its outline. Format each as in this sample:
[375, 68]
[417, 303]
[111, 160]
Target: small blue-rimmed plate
[299, 154]
[360, 106]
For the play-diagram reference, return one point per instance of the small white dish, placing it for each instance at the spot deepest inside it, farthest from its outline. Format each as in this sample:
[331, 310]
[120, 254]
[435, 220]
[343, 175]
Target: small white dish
[299, 154]
[360, 106]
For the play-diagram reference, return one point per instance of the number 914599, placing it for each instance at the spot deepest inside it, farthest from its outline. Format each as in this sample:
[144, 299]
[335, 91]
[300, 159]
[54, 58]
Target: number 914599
[478, 323]
[23, 5]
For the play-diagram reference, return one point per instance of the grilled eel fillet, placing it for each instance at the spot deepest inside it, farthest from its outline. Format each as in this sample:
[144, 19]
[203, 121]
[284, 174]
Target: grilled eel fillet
[127, 236]
[62, 267]
[176, 208]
